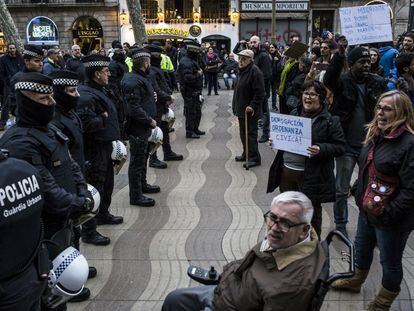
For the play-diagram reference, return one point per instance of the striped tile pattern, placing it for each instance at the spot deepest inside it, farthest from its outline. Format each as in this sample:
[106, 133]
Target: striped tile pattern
[209, 212]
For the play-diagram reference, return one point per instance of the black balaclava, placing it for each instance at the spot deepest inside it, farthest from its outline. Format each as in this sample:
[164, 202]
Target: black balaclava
[31, 113]
[63, 99]
[156, 61]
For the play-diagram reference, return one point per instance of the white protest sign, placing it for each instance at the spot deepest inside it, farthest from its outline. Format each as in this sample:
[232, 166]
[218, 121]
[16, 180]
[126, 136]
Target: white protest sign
[366, 24]
[291, 133]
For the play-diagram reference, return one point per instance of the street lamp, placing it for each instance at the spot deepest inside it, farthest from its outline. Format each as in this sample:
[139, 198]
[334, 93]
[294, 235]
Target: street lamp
[234, 16]
[123, 17]
[196, 16]
[160, 16]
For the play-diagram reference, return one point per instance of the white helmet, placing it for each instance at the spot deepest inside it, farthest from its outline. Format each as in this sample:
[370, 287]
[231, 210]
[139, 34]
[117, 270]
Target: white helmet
[96, 202]
[156, 138]
[119, 151]
[68, 276]
[169, 117]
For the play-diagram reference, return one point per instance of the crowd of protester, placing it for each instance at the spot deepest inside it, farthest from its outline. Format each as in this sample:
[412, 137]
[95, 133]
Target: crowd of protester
[360, 100]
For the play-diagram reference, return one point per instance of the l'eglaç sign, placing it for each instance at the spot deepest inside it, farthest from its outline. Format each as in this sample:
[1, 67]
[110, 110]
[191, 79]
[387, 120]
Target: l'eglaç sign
[166, 31]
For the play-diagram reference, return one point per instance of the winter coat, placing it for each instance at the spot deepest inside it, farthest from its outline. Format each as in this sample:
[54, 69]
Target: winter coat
[393, 156]
[230, 65]
[212, 65]
[249, 90]
[49, 66]
[263, 60]
[191, 81]
[282, 280]
[319, 178]
[345, 91]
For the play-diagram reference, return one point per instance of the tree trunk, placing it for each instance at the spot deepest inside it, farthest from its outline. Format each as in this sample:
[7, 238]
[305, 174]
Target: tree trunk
[8, 27]
[136, 19]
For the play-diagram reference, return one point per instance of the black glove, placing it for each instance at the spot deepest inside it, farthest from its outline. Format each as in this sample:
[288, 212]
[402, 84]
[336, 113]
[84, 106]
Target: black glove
[402, 85]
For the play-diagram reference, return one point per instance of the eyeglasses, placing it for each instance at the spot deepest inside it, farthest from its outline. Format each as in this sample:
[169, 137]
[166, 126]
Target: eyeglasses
[311, 95]
[283, 224]
[383, 108]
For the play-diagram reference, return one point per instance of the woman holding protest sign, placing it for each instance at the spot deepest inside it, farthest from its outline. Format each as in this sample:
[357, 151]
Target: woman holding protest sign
[312, 175]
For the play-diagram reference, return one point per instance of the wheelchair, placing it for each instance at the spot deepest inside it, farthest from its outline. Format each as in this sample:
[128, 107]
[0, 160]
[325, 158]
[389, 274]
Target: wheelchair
[211, 277]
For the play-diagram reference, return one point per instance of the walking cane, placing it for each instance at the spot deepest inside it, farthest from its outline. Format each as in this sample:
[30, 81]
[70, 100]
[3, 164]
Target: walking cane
[246, 132]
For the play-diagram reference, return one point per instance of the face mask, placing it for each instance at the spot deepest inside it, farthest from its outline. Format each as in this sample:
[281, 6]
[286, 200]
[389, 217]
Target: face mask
[64, 100]
[31, 113]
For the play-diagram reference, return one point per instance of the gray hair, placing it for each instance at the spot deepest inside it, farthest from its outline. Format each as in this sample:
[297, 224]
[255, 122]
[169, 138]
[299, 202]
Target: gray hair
[294, 197]
[75, 46]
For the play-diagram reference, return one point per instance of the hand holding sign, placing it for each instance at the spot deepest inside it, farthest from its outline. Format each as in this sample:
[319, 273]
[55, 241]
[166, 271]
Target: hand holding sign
[313, 150]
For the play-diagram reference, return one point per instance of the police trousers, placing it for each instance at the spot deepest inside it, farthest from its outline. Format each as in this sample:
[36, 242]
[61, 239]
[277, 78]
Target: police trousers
[192, 112]
[137, 170]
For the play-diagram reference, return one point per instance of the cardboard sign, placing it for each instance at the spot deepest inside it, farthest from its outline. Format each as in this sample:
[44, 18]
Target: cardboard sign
[296, 50]
[291, 133]
[366, 24]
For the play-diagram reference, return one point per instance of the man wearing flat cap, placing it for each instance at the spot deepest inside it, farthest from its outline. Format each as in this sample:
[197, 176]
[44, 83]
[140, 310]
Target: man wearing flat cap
[33, 62]
[355, 96]
[43, 145]
[247, 103]
[97, 111]
[141, 98]
[164, 99]
[191, 86]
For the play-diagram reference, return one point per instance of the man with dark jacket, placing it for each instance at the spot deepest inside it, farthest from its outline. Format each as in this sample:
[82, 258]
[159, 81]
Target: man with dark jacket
[279, 273]
[75, 62]
[355, 96]
[10, 63]
[230, 70]
[191, 86]
[140, 97]
[247, 103]
[164, 99]
[97, 112]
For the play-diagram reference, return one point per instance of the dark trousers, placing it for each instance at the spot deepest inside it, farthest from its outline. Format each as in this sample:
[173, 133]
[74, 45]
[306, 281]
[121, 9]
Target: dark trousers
[283, 108]
[100, 174]
[23, 292]
[4, 115]
[292, 180]
[188, 299]
[265, 110]
[274, 94]
[137, 165]
[192, 112]
[166, 146]
[254, 154]
[212, 81]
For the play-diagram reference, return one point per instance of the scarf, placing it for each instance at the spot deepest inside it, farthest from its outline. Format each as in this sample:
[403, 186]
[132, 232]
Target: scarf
[210, 56]
[288, 66]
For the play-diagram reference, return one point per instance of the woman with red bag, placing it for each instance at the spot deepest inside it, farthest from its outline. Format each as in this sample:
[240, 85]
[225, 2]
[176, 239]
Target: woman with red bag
[385, 197]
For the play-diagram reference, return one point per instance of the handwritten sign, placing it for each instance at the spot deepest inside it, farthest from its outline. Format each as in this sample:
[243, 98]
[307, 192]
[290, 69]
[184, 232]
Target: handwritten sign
[290, 133]
[366, 24]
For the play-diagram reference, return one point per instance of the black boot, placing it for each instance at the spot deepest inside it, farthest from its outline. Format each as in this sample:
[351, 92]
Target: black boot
[155, 163]
[172, 156]
[143, 201]
[95, 238]
[82, 296]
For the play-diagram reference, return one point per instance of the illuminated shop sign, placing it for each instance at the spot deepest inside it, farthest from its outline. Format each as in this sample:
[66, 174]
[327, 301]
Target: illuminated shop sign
[167, 31]
[42, 30]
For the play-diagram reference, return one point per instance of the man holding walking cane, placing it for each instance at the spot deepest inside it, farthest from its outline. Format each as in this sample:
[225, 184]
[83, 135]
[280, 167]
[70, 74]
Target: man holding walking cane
[249, 94]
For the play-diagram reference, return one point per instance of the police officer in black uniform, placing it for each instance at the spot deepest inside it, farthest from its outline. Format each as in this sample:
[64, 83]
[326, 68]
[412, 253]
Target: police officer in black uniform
[140, 97]
[33, 62]
[21, 203]
[66, 95]
[164, 99]
[100, 124]
[191, 86]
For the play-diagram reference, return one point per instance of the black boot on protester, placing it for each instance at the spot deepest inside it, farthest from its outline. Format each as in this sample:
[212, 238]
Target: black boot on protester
[82, 296]
[95, 238]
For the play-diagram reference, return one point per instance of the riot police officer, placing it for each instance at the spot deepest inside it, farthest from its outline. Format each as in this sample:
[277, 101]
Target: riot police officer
[21, 203]
[97, 111]
[164, 99]
[140, 97]
[191, 86]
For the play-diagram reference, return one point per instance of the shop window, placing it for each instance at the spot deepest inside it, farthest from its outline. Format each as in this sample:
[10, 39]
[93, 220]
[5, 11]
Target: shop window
[149, 8]
[3, 44]
[178, 9]
[218, 9]
[87, 32]
[322, 20]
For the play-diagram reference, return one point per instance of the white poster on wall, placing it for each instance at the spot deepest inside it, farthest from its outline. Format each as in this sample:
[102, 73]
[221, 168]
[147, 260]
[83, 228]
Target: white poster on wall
[366, 24]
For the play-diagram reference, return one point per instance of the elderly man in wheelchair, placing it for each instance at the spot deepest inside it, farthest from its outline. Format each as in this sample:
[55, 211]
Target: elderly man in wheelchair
[288, 270]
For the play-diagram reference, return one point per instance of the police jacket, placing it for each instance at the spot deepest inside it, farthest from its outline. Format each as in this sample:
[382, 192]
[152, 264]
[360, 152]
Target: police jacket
[47, 151]
[70, 125]
[191, 81]
[139, 95]
[319, 178]
[344, 87]
[118, 69]
[21, 203]
[94, 100]
[160, 84]
[249, 91]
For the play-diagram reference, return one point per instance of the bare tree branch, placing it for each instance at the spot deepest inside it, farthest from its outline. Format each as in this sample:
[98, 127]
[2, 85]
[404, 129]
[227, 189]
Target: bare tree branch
[11, 34]
[136, 20]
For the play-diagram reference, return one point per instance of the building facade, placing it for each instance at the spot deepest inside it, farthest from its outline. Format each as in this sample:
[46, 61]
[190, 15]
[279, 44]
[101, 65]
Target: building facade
[92, 24]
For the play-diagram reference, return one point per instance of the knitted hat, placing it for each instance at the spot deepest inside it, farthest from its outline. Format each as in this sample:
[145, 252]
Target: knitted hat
[34, 82]
[356, 54]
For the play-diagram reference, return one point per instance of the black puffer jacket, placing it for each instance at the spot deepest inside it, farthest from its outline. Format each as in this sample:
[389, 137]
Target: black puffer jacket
[346, 93]
[191, 81]
[393, 155]
[319, 182]
[249, 90]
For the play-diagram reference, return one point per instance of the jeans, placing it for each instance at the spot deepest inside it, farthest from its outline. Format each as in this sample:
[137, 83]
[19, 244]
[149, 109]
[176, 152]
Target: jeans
[226, 79]
[344, 167]
[391, 243]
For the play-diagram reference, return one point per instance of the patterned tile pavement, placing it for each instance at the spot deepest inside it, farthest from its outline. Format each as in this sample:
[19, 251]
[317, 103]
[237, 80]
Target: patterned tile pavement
[209, 212]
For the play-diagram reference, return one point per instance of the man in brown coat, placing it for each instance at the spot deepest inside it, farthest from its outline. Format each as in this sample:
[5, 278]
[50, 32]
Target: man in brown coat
[279, 273]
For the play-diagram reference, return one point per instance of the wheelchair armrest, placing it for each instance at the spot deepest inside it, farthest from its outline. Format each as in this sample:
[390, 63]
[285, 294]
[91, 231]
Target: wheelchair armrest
[203, 276]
